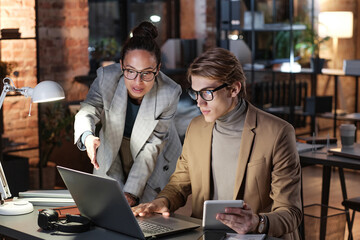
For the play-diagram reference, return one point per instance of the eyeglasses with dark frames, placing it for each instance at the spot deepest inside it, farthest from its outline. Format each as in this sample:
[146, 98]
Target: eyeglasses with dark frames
[207, 95]
[146, 76]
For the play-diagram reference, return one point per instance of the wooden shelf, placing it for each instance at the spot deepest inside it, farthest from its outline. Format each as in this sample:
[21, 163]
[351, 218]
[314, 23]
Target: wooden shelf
[25, 38]
[343, 117]
[271, 27]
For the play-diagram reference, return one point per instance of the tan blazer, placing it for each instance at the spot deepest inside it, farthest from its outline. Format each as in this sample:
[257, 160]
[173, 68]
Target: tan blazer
[268, 170]
[153, 131]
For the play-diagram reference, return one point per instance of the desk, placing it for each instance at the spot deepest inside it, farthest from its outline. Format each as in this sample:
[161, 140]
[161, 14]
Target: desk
[328, 161]
[25, 227]
[336, 73]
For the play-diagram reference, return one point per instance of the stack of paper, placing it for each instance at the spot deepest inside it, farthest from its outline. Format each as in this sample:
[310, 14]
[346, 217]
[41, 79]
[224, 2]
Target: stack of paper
[53, 198]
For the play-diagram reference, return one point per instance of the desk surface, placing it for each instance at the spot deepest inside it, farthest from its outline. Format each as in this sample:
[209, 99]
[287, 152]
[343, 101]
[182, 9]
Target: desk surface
[25, 227]
[328, 161]
[321, 157]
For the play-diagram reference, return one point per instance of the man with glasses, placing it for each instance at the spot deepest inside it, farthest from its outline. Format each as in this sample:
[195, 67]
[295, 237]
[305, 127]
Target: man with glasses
[135, 104]
[234, 151]
[207, 95]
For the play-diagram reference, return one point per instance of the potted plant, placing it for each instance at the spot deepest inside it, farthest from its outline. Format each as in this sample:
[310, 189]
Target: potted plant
[103, 50]
[56, 125]
[4, 71]
[282, 40]
[310, 45]
[6, 68]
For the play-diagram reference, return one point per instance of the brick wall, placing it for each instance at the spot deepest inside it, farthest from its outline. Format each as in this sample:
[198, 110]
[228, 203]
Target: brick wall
[18, 127]
[197, 20]
[63, 43]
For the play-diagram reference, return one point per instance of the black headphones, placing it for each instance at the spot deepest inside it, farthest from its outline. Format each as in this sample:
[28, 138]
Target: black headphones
[48, 219]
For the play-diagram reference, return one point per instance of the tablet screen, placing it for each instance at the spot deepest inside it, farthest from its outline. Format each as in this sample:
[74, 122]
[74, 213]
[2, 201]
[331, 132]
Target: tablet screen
[213, 207]
[213, 235]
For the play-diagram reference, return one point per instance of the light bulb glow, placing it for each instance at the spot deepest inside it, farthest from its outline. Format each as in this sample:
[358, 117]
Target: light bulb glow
[155, 18]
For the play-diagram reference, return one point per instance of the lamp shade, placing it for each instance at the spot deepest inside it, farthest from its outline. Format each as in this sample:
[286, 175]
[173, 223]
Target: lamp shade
[47, 91]
[336, 24]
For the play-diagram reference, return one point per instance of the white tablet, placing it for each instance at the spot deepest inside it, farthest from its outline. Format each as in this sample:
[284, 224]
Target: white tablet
[212, 207]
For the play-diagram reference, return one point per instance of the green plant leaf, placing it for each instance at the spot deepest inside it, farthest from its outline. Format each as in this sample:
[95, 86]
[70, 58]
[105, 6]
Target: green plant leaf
[56, 124]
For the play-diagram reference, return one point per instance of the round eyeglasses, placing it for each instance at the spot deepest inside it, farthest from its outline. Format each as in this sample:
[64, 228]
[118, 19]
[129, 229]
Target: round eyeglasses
[146, 76]
[207, 95]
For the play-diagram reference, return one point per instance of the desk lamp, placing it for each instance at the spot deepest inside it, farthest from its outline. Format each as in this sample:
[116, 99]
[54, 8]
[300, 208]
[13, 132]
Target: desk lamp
[45, 91]
[337, 25]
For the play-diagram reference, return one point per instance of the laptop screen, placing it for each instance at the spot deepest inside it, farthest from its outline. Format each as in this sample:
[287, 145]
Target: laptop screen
[102, 200]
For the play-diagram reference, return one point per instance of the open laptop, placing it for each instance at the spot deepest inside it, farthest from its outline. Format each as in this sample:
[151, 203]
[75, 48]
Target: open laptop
[102, 201]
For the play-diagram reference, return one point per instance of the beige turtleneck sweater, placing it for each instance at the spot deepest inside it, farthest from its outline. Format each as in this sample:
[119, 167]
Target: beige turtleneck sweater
[226, 142]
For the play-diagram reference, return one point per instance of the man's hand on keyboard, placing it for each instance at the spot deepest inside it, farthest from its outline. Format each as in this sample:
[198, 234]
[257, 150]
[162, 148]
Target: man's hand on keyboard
[159, 205]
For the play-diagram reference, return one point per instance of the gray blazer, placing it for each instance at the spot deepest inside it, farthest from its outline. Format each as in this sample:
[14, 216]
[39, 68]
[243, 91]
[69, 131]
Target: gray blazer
[153, 131]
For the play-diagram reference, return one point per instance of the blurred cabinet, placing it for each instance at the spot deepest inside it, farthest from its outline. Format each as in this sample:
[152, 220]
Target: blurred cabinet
[261, 34]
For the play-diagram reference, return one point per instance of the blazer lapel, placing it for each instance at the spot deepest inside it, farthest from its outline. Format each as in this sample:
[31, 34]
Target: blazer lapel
[118, 113]
[145, 121]
[206, 159]
[119, 102]
[245, 148]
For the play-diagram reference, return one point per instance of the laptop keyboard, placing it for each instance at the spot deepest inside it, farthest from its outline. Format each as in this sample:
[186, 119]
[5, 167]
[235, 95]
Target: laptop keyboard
[152, 228]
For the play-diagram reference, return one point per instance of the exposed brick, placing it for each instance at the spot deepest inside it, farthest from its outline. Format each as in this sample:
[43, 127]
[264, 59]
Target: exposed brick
[29, 3]
[17, 45]
[33, 123]
[57, 5]
[63, 40]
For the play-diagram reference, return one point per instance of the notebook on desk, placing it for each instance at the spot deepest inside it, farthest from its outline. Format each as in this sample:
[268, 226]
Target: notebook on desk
[102, 201]
[353, 152]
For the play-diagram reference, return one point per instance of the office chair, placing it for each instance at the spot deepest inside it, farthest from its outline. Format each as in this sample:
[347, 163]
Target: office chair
[354, 204]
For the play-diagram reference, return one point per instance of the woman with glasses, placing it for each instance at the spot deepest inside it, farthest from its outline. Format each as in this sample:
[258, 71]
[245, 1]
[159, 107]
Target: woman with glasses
[135, 104]
[234, 151]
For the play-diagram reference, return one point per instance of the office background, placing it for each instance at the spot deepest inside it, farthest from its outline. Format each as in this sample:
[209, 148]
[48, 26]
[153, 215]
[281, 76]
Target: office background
[66, 40]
